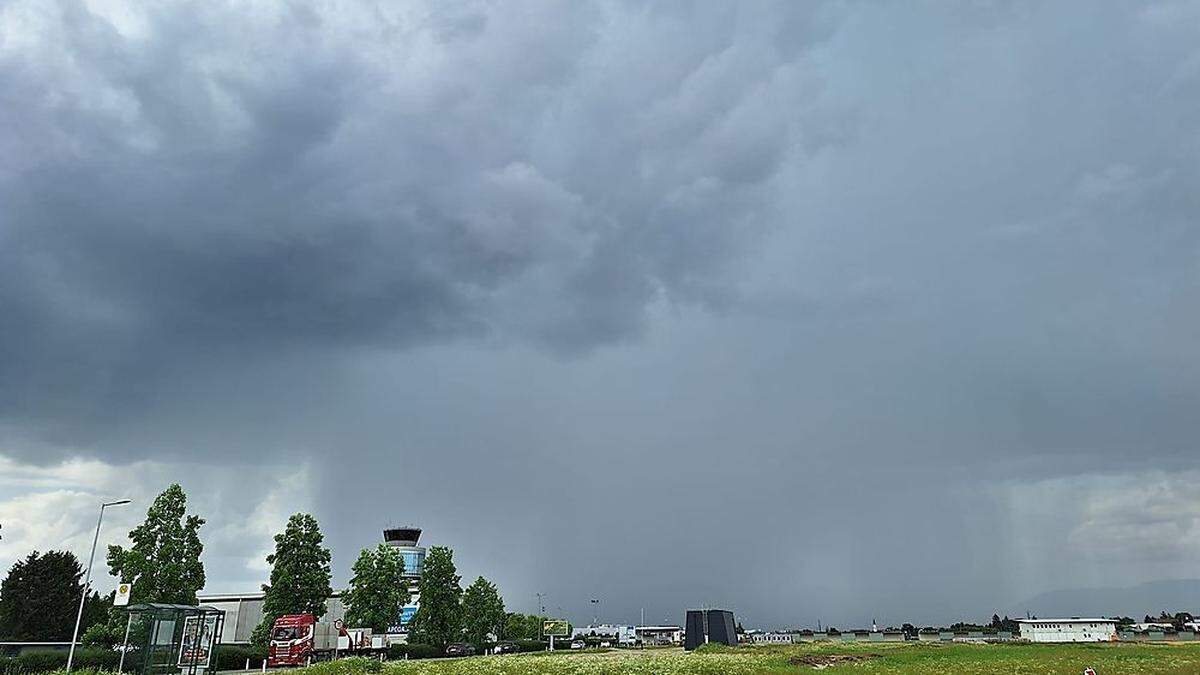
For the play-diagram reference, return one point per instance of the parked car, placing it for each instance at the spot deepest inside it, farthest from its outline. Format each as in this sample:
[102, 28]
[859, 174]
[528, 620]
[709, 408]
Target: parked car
[578, 644]
[460, 649]
[506, 648]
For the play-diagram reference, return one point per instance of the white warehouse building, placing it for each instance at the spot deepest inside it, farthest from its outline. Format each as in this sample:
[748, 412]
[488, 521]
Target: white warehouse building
[1068, 630]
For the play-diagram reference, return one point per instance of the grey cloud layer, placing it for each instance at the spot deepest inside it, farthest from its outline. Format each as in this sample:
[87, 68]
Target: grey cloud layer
[852, 260]
[213, 181]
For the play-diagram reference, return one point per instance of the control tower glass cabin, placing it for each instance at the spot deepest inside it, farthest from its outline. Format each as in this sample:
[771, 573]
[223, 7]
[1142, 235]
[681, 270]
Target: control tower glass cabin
[405, 539]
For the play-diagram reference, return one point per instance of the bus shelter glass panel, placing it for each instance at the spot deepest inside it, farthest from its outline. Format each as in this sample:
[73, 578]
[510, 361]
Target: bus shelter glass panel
[172, 639]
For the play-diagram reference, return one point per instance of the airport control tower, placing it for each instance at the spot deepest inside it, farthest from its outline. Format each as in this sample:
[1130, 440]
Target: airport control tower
[404, 539]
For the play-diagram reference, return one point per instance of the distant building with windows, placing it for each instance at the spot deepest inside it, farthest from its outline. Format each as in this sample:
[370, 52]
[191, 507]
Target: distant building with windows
[769, 637]
[1068, 630]
[608, 634]
[1142, 627]
[659, 635]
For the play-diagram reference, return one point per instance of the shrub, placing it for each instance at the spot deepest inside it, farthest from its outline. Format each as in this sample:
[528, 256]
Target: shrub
[715, 648]
[39, 661]
[47, 660]
[531, 645]
[35, 661]
[413, 651]
[233, 657]
[355, 665]
[74, 671]
[97, 659]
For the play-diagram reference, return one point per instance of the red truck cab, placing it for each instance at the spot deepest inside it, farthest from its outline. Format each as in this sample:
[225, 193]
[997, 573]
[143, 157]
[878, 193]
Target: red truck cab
[291, 640]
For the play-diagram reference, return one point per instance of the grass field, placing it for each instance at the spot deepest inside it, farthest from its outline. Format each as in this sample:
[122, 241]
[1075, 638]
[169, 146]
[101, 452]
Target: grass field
[1106, 659]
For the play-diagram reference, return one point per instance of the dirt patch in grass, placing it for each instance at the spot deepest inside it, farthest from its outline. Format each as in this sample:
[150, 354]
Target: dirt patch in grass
[822, 661]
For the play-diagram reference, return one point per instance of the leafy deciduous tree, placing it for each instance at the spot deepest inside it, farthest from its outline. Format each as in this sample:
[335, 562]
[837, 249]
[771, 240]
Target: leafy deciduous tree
[164, 562]
[482, 611]
[378, 589]
[438, 620]
[299, 574]
[523, 626]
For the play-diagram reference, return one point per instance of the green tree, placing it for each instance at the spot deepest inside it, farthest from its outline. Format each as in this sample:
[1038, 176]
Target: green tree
[40, 595]
[482, 611]
[164, 562]
[102, 626]
[299, 574]
[523, 626]
[378, 589]
[438, 620]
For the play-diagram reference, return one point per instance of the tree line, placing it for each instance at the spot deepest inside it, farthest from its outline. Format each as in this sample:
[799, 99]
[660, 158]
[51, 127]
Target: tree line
[39, 595]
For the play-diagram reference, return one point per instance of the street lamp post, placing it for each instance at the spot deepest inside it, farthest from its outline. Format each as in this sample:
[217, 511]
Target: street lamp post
[88, 580]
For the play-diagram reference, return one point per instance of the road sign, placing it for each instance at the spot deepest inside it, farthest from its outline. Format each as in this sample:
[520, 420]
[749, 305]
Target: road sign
[122, 597]
[556, 628]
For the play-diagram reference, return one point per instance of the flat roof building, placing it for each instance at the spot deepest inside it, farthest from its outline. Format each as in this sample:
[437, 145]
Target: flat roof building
[773, 637]
[244, 611]
[1068, 630]
[659, 635]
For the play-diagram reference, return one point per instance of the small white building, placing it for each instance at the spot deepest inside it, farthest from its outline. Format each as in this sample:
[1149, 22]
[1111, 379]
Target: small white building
[1068, 630]
[1152, 625]
[608, 634]
[769, 638]
[659, 635]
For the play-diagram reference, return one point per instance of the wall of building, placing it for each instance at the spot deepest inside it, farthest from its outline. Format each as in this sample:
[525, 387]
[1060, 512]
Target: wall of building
[1052, 630]
[243, 613]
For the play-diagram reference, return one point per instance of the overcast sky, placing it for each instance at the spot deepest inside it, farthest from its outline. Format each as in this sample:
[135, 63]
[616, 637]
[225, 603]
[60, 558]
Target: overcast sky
[815, 311]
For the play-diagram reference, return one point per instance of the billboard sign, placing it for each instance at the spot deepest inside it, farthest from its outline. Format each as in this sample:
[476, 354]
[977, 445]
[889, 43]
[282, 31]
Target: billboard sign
[556, 628]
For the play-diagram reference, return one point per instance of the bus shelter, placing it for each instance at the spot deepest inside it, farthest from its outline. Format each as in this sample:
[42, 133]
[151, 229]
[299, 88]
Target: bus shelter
[172, 638]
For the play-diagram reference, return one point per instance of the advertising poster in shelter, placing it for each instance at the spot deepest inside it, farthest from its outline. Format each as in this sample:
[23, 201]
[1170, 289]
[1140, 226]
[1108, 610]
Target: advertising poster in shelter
[196, 646]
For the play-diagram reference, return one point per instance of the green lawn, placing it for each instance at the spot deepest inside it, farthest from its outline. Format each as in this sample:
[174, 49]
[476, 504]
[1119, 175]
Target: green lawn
[1107, 659]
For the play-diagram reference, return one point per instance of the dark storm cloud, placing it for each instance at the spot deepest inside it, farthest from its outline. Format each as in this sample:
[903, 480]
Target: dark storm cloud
[211, 186]
[881, 277]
